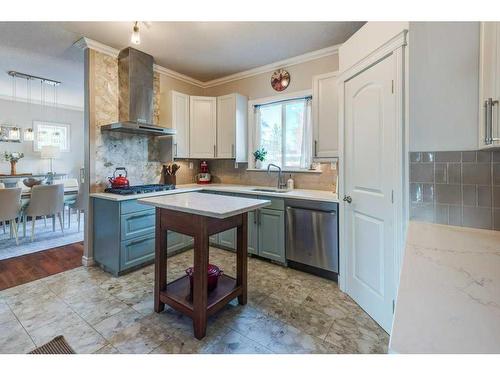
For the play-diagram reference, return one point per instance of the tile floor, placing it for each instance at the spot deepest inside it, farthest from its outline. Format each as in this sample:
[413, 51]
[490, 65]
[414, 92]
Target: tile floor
[288, 312]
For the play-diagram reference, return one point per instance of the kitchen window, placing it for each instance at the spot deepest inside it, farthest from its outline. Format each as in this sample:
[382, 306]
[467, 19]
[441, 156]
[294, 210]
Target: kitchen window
[51, 134]
[284, 130]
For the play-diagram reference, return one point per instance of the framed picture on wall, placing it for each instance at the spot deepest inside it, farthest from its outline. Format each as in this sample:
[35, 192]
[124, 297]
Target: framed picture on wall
[51, 134]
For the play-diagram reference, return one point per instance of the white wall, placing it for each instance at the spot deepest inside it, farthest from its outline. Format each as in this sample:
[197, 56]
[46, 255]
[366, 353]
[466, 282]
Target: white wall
[366, 40]
[22, 115]
[444, 79]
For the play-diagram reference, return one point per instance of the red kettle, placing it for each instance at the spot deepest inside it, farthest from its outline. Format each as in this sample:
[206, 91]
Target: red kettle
[120, 181]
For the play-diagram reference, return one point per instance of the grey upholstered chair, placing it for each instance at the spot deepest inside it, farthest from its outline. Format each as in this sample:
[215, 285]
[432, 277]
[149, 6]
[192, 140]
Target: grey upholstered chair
[79, 206]
[46, 200]
[10, 206]
[2, 186]
[69, 200]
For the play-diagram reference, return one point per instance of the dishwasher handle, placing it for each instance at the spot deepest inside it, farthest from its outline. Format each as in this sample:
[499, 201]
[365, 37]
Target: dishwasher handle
[291, 208]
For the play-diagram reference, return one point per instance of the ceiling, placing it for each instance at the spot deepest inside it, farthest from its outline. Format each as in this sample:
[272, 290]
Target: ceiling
[43, 49]
[201, 50]
[210, 50]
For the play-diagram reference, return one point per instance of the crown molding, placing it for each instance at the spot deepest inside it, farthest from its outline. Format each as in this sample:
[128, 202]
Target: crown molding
[97, 46]
[309, 56]
[178, 76]
[328, 51]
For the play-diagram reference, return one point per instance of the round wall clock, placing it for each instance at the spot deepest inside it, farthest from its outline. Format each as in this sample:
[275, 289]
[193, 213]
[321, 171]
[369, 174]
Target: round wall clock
[280, 80]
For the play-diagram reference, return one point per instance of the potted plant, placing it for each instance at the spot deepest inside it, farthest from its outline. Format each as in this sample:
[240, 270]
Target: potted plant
[259, 156]
[13, 158]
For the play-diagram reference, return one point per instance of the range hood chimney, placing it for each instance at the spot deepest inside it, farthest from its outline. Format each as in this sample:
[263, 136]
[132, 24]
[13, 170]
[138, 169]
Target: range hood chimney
[135, 87]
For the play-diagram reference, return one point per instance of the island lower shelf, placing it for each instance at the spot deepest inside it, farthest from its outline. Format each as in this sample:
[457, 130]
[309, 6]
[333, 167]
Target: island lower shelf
[178, 294]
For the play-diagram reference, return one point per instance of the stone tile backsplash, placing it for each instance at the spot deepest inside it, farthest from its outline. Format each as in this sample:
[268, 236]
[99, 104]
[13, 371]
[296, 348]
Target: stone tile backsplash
[456, 188]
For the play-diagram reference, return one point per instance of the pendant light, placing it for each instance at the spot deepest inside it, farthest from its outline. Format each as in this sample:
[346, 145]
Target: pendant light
[135, 38]
[28, 134]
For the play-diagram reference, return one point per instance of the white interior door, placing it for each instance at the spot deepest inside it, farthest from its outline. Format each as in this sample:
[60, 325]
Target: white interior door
[369, 178]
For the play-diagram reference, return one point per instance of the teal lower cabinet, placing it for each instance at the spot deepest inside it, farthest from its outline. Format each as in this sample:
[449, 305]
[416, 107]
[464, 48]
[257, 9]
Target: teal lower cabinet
[266, 231]
[137, 252]
[272, 234]
[124, 235]
[227, 239]
[252, 233]
[175, 242]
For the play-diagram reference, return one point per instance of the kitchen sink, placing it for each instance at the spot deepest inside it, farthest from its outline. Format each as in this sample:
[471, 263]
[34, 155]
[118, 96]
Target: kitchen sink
[271, 190]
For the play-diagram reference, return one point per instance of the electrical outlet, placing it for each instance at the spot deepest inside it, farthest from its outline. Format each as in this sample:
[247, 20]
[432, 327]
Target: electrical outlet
[235, 165]
[191, 166]
[333, 165]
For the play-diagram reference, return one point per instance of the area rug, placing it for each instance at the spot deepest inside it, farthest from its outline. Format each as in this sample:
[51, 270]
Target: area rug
[57, 345]
[45, 238]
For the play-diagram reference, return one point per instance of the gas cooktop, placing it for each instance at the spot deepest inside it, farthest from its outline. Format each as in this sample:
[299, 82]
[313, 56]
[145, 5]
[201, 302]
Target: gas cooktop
[139, 189]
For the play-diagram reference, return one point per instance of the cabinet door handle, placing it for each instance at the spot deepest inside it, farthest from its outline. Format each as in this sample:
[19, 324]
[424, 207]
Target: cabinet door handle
[232, 151]
[315, 148]
[488, 118]
[136, 242]
[215, 152]
[486, 124]
[255, 217]
[175, 149]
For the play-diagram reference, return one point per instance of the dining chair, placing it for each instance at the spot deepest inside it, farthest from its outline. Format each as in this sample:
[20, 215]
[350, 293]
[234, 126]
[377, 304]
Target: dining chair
[69, 199]
[2, 186]
[46, 200]
[10, 207]
[79, 206]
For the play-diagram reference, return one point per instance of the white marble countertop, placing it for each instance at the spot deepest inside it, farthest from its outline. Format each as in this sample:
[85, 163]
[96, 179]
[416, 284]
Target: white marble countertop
[449, 294]
[218, 206]
[306, 194]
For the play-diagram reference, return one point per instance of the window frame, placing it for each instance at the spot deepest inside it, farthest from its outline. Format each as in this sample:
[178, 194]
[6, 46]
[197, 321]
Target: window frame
[36, 126]
[254, 134]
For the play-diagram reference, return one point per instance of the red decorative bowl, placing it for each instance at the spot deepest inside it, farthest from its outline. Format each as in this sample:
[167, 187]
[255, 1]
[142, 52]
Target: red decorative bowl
[213, 275]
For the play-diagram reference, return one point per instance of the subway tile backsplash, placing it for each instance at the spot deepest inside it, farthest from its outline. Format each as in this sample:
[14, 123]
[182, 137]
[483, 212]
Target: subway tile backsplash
[456, 188]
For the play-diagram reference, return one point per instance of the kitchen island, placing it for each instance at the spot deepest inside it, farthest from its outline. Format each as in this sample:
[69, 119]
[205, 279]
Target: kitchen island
[200, 216]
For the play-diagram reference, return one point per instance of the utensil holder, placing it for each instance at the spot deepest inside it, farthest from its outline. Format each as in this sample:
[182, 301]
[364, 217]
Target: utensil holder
[170, 179]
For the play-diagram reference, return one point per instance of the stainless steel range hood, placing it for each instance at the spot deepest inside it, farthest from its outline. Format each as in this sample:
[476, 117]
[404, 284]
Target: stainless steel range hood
[135, 85]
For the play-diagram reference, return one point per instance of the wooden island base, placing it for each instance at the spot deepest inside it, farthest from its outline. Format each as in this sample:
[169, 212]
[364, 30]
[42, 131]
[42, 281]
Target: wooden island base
[177, 294]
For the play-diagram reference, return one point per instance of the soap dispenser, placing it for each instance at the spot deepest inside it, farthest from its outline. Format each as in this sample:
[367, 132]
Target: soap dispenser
[290, 183]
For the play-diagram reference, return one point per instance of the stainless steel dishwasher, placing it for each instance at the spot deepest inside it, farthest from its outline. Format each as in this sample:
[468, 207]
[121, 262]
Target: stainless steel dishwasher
[312, 237]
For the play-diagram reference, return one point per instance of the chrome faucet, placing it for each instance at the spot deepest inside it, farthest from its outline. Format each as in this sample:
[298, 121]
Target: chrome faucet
[281, 182]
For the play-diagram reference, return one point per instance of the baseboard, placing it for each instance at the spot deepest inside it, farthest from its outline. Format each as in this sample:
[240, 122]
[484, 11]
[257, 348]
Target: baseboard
[87, 262]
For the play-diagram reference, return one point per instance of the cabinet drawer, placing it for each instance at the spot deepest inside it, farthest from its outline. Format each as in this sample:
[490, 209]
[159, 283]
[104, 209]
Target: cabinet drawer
[276, 203]
[127, 207]
[137, 251]
[137, 224]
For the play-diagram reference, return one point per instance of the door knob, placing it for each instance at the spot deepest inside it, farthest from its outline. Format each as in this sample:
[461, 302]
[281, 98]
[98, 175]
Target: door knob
[347, 199]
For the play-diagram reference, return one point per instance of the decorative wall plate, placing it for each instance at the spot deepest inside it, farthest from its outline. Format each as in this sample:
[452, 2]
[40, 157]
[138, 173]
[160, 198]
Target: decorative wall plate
[280, 80]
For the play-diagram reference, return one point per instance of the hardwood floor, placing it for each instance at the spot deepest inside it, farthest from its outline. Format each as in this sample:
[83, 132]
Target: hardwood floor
[30, 267]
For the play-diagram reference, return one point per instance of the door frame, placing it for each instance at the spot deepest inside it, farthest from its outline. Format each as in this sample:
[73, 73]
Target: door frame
[397, 46]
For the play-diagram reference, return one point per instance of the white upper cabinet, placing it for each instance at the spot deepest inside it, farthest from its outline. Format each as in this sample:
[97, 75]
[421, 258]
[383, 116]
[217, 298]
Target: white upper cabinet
[202, 132]
[232, 127]
[325, 118]
[180, 122]
[489, 85]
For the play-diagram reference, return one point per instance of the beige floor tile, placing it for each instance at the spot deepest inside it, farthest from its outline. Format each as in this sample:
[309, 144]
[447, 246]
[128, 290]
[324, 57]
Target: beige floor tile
[308, 320]
[107, 349]
[288, 311]
[235, 343]
[14, 339]
[118, 322]
[79, 335]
